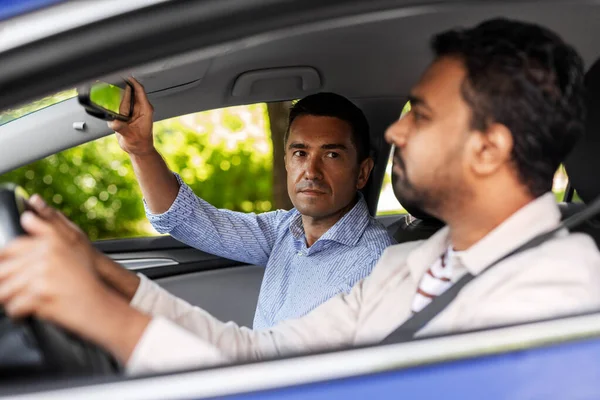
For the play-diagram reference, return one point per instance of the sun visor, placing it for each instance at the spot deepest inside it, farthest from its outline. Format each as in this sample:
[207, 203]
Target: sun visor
[166, 77]
[276, 83]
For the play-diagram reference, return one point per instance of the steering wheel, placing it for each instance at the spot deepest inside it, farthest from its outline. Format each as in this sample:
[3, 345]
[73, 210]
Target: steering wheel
[31, 347]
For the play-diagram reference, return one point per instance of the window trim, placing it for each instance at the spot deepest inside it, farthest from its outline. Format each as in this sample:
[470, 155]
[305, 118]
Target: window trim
[306, 369]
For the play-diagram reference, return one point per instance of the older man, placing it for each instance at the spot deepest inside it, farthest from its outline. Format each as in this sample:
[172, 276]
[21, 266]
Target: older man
[320, 248]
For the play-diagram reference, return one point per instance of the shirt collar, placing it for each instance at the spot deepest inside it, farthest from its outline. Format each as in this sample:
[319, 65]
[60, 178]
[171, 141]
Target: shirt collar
[296, 227]
[540, 215]
[348, 230]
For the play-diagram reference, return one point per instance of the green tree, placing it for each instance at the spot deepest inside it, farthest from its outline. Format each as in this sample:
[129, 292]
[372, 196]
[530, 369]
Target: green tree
[92, 184]
[12, 114]
[278, 121]
[224, 155]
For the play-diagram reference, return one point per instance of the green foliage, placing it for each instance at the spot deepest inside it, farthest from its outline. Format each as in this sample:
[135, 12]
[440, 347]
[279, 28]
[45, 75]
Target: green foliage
[405, 109]
[92, 184]
[107, 96]
[9, 115]
[224, 155]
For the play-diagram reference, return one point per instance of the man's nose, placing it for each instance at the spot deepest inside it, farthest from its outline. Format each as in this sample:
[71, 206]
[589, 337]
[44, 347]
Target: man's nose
[313, 169]
[397, 133]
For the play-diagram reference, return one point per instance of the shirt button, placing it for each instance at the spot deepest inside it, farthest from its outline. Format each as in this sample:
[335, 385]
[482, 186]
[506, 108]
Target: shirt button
[300, 253]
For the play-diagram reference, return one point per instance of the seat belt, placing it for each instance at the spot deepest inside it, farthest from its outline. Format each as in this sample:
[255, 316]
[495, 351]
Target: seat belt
[417, 321]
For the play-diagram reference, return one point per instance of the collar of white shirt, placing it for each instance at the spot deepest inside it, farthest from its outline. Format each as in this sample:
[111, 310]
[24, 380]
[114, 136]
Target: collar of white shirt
[540, 215]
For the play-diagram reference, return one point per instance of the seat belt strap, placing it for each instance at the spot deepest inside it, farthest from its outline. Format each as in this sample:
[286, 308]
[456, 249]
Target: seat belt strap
[417, 321]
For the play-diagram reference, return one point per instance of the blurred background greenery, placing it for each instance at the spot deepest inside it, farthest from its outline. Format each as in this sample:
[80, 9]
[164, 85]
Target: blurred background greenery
[225, 155]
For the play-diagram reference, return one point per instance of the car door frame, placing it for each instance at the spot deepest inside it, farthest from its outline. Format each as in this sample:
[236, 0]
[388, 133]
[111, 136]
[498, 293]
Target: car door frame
[21, 83]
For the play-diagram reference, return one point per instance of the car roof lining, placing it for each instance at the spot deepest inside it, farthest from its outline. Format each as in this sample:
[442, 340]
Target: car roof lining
[372, 59]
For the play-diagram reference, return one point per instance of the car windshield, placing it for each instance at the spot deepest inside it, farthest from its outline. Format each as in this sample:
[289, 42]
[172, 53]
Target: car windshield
[9, 115]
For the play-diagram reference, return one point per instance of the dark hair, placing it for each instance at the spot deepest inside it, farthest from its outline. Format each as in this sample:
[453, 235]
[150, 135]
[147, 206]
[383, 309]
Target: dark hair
[525, 77]
[333, 105]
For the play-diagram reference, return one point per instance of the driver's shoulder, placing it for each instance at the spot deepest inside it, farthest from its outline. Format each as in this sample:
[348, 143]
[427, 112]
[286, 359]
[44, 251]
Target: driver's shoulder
[564, 258]
[573, 247]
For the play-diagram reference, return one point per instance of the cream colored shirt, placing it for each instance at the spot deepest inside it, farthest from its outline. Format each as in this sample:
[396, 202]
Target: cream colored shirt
[559, 277]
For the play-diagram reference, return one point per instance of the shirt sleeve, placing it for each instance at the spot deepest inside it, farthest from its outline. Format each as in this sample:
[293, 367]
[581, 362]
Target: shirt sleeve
[238, 236]
[190, 351]
[194, 338]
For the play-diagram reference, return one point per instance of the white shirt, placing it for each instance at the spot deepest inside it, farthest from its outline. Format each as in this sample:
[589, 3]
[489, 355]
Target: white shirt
[559, 277]
[436, 280]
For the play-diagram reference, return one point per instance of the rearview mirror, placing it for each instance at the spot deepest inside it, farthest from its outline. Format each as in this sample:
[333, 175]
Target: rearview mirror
[106, 101]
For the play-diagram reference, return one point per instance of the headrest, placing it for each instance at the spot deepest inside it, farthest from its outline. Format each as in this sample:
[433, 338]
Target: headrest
[583, 163]
[422, 215]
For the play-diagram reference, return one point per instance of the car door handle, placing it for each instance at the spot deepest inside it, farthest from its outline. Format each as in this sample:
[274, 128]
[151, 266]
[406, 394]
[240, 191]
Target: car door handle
[134, 264]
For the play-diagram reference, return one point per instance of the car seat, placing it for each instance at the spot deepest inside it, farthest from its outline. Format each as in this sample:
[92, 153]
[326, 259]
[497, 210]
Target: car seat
[585, 157]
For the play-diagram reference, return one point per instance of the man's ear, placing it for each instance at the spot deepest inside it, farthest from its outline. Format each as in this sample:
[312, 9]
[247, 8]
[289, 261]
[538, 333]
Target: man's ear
[490, 149]
[364, 171]
[285, 162]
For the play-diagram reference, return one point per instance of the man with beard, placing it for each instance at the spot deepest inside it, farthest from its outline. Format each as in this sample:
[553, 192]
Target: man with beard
[415, 225]
[491, 120]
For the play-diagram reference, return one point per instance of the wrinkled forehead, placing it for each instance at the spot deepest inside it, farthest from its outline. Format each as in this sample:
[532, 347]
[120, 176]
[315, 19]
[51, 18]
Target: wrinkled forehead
[319, 130]
[440, 85]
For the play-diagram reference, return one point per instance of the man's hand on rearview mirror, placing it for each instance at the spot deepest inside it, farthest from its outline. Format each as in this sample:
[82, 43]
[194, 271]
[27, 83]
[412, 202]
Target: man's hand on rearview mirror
[135, 135]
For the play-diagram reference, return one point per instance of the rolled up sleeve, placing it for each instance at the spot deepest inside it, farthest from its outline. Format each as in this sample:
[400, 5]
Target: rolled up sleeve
[244, 237]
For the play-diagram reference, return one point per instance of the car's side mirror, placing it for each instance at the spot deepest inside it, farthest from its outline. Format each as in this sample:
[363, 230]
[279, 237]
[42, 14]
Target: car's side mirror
[106, 101]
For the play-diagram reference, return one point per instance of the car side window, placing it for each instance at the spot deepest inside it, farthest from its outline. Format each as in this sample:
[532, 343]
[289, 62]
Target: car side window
[225, 155]
[561, 185]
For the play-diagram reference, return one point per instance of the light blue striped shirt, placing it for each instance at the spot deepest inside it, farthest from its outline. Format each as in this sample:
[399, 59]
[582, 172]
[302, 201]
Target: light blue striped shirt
[297, 279]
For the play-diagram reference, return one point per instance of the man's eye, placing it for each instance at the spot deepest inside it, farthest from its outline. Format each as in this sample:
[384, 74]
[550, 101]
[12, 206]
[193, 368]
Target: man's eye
[332, 155]
[417, 115]
[299, 153]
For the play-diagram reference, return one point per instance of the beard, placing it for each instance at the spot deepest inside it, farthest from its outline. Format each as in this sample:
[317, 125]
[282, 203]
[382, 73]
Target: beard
[415, 200]
[434, 199]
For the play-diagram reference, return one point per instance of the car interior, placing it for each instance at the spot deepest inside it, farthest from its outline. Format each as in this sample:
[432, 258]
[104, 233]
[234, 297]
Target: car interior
[265, 73]
[373, 61]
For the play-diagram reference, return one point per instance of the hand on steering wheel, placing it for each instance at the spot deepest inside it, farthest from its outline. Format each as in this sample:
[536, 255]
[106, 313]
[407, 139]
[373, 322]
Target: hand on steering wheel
[49, 274]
